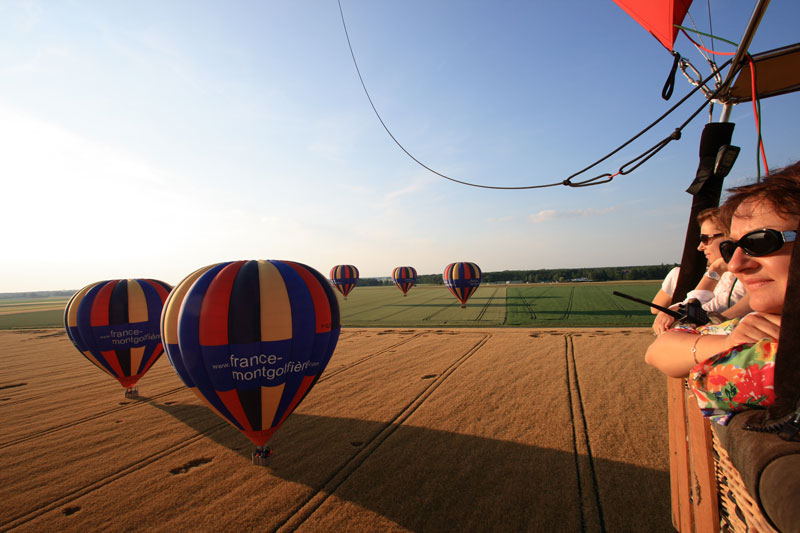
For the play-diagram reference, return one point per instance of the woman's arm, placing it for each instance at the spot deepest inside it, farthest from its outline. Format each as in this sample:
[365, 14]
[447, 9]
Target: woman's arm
[661, 298]
[717, 268]
[676, 352]
[663, 321]
[672, 352]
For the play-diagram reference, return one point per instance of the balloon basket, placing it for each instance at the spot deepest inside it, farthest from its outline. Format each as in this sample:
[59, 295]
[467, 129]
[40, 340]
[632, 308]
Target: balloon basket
[463, 306]
[132, 392]
[261, 455]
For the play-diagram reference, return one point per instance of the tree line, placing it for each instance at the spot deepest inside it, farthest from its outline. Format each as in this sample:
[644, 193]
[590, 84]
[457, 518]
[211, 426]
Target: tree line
[35, 294]
[549, 275]
[542, 275]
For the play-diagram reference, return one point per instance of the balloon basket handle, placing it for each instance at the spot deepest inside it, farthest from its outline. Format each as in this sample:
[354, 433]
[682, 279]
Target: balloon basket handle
[261, 455]
[132, 392]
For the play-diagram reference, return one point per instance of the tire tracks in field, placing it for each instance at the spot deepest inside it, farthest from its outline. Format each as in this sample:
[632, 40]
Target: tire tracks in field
[402, 309]
[381, 306]
[8, 403]
[110, 478]
[591, 509]
[528, 306]
[307, 508]
[445, 308]
[486, 306]
[327, 375]
[16, 401]
[568, 308]
[134, 403]
[625, 312]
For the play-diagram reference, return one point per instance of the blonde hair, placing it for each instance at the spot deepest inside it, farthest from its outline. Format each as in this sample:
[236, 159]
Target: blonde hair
[714, 215]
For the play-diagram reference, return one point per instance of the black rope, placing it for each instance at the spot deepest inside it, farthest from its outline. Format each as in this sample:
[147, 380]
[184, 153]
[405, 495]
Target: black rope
[597, 180]
[669, 85]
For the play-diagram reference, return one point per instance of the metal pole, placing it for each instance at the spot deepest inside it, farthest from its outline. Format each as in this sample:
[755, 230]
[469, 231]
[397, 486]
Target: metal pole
[726, 112]
[747, 38]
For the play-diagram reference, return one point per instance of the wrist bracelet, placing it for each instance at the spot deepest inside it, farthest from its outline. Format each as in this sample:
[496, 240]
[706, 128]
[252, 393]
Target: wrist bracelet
[694, 349]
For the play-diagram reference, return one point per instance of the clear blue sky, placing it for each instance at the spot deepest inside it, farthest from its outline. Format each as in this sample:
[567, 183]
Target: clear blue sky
[150, 138]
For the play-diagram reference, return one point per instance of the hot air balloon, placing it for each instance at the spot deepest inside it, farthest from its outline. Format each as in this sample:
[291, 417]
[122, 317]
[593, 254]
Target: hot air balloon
[251, 338]
[115, 325]
[344, 278]
[404, 277]
[660, 18]
[462, 279]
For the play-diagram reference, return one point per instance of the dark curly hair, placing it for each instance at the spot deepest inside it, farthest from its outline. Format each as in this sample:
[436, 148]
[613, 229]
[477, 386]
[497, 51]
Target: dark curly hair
[781, 189]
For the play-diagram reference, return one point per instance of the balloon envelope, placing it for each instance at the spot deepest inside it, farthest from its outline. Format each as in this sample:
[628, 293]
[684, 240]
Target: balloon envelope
[462, 279]
[404, 277]
[251, 338]
[659, 17]
[115, 325]
[344, 278]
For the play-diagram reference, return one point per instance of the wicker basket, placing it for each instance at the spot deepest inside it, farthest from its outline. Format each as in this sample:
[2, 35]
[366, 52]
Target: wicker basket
[700, 467]
[738, 512]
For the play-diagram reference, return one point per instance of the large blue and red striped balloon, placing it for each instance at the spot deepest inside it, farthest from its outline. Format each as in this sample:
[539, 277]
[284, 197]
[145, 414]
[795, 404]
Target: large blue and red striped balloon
[404, 277]
[462, 279]
[251, 338]
[344, 278]
[115, 325]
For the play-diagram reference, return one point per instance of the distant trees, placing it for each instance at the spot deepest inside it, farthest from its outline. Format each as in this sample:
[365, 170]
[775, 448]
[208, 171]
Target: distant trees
[546, 275]
[374, 282]
[543, 275]
[35, 294]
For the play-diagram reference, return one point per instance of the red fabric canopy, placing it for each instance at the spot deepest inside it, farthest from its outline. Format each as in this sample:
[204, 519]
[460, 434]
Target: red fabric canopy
[658, 16]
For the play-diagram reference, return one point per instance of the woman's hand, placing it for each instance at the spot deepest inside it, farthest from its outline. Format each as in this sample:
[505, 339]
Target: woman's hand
[663, 321]
[718, 265]
[754, 327]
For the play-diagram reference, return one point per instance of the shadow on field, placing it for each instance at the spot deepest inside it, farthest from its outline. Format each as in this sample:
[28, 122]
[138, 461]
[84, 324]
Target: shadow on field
[426, 479]
[598, 312]
[533, 298]
[470, 303]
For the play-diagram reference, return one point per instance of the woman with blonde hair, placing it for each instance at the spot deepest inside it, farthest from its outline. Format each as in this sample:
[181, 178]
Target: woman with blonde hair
[731, 365]
[718, 291]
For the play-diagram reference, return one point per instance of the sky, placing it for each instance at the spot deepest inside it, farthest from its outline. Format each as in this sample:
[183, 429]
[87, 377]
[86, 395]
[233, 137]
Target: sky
[148, 139]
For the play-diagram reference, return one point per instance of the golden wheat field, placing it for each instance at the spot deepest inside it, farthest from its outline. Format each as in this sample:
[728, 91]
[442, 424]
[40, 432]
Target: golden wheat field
[407, 430]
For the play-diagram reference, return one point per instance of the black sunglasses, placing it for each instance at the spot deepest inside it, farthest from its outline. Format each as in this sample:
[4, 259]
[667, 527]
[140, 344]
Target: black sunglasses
[757, 243]
[705, 239]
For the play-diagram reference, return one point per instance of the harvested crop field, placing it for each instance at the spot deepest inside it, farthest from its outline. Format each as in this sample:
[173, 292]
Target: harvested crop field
[407, 429]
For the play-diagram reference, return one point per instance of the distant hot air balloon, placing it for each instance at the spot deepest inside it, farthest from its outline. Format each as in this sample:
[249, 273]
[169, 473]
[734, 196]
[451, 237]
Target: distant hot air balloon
[344, 278]
[251, 338]
[462, 279]
[115, 325]
[404, 277]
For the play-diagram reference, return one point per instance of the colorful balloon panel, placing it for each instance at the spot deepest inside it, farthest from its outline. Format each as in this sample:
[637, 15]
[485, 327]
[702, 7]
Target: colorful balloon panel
[344, 278]
[115, 324]
[251, 338]
[404, 277]
[462, 279]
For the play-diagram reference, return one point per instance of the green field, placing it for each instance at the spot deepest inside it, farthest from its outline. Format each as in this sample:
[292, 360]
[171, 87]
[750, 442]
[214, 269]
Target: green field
[539, 305]
[536, 305]
[32, 312]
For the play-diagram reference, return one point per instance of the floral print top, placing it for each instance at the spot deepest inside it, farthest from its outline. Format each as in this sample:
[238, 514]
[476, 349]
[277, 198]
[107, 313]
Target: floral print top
[734, 380]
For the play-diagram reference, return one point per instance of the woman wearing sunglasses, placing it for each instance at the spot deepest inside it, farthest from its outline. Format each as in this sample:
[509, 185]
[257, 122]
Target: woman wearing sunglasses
[719, 291]
[730, 365]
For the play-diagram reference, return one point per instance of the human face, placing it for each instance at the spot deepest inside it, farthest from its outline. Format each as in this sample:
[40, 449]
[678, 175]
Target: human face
[765, 277]
[711, 250]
